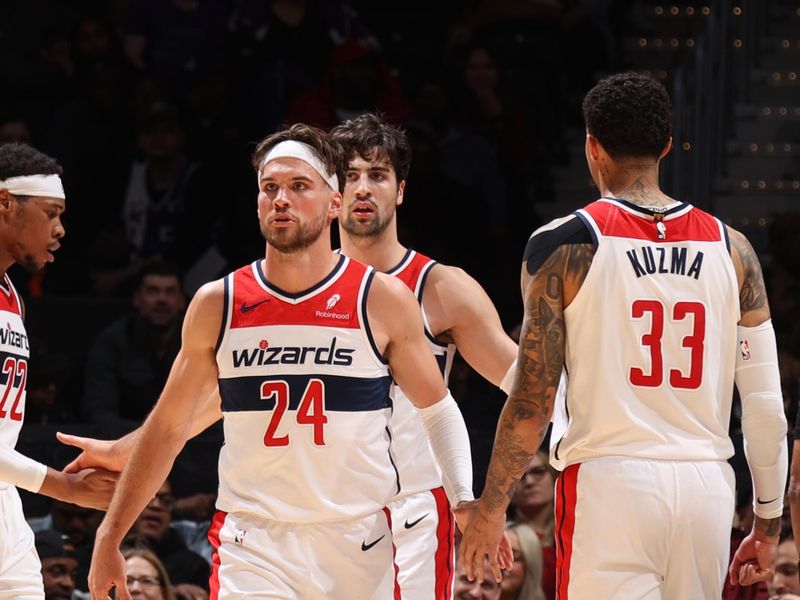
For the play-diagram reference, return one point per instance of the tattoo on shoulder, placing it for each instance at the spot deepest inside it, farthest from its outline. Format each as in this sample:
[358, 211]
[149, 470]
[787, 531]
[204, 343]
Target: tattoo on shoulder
[753, 294]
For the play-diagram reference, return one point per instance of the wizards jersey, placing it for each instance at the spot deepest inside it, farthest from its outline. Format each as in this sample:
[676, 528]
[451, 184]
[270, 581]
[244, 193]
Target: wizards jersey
[14, 355]
[651, 337]
[410, 447]
[305, 400]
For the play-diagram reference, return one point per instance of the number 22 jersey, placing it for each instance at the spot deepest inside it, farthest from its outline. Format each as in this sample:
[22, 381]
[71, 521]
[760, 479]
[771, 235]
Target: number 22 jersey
[305, 400]
[651, 337]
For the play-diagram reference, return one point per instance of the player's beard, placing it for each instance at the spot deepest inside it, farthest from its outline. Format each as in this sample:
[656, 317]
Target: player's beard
[295, 239]
[372, 228]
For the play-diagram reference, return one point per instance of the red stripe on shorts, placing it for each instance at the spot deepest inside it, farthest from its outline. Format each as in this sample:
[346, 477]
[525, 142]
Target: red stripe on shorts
[566, 498]
[213, 538]
[397, 595]
[445, 544]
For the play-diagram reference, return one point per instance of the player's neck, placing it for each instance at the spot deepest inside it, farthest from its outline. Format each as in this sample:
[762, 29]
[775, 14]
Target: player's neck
[298, 271]
[636, 184]
[383, 251]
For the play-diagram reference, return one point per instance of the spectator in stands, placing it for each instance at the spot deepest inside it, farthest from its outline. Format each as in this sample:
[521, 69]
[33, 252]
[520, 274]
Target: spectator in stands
[472, 590]
[524, 580]
[14, 129]
[153, 529]
[533, 504]
[59, 564]
[357, 80]
[147, 578]
[129, 362]
[177, 40]
[786, 583]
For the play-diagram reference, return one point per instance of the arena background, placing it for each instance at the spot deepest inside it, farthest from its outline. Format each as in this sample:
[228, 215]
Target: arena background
[489, 93]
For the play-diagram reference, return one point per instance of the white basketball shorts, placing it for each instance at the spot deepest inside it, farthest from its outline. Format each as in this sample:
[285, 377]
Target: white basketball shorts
[20, 569]
[643, 529]
[342, 560]
[423, 528]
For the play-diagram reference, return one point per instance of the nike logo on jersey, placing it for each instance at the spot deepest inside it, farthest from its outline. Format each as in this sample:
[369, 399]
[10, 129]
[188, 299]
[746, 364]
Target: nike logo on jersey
[247, 307]
[365, 546]
[408, 525]
[760, 501]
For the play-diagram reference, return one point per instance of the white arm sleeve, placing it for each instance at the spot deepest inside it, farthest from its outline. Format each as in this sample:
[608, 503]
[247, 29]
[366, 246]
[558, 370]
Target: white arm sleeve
[508, 378]
[21, 471]
[763, 420]
[450, 443]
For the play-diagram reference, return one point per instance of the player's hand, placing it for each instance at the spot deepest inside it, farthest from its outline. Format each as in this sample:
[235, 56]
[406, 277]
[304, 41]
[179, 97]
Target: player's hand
[483, 535]
[505, 553]
[96, 453]
[92, 488]
[754, 560]
[108, 570]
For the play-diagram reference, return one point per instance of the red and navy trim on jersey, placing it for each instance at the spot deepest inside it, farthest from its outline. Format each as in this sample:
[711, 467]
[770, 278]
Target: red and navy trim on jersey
[619, 218]
[9, 299]
[413, 270]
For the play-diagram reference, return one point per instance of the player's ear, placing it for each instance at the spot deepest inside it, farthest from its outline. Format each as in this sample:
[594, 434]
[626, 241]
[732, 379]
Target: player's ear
[335, 206]
[401, 188]
[593, 147]
[666, 149]
[6, 202]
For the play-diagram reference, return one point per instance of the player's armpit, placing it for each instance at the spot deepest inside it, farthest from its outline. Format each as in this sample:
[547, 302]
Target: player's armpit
[753, 302]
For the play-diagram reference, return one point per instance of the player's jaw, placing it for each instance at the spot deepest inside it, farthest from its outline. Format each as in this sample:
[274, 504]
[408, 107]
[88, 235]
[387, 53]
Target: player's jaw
[288, 234]
[363, 217]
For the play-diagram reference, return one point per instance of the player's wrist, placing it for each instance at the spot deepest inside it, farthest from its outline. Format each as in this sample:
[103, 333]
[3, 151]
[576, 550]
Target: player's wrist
[767, 530]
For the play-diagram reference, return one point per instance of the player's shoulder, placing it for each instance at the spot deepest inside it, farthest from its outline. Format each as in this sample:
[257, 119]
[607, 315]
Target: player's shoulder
[570, 229]
[389, 288]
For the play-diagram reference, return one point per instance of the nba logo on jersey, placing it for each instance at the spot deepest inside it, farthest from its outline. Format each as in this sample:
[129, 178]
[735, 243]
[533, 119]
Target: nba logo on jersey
[744, 348]
[332, 301]
[238, 536]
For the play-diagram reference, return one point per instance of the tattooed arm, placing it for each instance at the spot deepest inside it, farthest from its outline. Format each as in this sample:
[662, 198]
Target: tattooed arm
[529, 407]
[752, 292]
[763, 422]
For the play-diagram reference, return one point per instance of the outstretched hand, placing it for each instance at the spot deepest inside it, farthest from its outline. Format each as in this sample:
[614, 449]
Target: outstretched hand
[95, 453]
[483, 537]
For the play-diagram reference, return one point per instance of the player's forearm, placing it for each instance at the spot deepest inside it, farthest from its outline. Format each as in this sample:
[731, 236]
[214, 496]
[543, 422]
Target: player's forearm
[154, 450]
[21, 471]
[449, 441]
[519, 435]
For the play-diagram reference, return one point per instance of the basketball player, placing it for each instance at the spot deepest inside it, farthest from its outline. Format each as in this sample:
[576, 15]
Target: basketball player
[655, 307]
[301, 345]
[31, 202]
[457, 315]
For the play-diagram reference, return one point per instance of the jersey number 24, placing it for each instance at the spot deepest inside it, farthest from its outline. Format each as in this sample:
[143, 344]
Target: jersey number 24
[310, 411]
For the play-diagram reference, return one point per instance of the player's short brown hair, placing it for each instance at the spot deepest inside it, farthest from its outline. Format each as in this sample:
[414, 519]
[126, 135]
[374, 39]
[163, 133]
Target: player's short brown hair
[328, 152]
[372, 137]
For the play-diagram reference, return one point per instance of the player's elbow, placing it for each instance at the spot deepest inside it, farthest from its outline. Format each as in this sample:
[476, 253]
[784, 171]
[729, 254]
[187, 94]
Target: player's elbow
[794, 492]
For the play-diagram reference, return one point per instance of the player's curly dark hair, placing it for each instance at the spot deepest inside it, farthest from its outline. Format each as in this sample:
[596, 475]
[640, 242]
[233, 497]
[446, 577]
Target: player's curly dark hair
[630, 115]
[17, 160]
[328, 151]
[372, 137]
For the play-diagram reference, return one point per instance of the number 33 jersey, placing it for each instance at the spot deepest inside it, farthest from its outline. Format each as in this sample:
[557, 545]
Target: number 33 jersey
[305, 400]
[651, 337]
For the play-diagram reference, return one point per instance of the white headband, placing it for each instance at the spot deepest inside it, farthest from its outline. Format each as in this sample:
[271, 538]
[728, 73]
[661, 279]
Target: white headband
[48, 186]
[304, 152]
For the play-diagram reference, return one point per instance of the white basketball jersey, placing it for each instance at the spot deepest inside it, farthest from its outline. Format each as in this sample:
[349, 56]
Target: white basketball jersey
[305, 400]
[14, 355]
[418, 469]
[651, 338]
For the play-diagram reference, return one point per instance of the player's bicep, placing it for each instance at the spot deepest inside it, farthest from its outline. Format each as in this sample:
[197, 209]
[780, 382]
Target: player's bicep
[193, 376]
[478, 332]
[753, 303]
